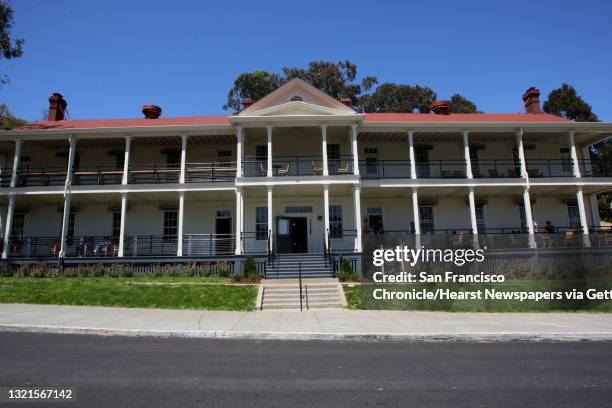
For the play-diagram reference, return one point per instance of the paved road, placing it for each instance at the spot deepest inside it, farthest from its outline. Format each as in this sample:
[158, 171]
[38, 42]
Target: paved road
[148, 372]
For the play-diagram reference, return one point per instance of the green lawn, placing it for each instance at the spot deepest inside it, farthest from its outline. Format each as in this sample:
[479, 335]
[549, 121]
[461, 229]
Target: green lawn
[360, 297]
[163, 292]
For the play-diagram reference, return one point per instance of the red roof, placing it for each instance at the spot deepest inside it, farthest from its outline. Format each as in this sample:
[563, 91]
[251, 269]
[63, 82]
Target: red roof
[223, 120]
[119, 123]
[465, 117]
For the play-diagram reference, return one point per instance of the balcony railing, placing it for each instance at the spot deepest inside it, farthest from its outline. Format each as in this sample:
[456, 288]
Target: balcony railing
[97, 175]
[210, 171]
[549, 168]
[154, 173]
[595, 168]
[379, 169]
[209, 244]
[496, 169]
[297, 166]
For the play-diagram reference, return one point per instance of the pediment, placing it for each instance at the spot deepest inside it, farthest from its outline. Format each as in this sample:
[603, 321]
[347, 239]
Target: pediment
[297, 98]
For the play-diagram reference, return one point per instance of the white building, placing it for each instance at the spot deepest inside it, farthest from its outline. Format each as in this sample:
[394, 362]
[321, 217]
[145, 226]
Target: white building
[200, 188]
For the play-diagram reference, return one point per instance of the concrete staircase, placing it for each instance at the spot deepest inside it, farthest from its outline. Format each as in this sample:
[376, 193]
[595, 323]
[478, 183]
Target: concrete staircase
[316, 293]
[288, 266]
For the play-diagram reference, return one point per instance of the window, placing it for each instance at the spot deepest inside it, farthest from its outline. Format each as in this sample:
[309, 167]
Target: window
[566, 161]
[296, 98]
[70, 232]
[224, 157]
[523, 216]
[335, 221]
[261, 152]
[480, 218]
[170, 224]
[116, 231]
[475, 162]
[371, 158]
[421, 159]
[119, 160]
[17, 226]
[573, 215]
[426, 220]
[173, 158]
[261, 223]
[333, 151]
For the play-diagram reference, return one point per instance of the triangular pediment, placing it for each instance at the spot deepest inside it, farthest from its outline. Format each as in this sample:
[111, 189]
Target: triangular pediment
[297, 98]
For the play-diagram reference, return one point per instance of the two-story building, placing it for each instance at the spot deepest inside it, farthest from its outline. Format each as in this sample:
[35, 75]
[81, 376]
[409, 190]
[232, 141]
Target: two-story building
[295, 172]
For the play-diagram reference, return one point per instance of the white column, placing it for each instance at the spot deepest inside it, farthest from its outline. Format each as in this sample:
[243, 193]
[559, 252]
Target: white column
[126, 160]
[521, 153]
[122, 224]
[466, 152]
[269, 167]
[181, 216]
[415, 212]
[324, 148]
[413, 173]
[587, 168]
[71, 153]
[355, 150]
[239, 151]
[473, 219]
[66, 214]
[8, 226]
[16, 159]
[183, 158]
[326, 213]
[65, 219]
[238, 221]
[574, 155]
[529, 217]
[581, 210]
[357, 212]
[270, 215]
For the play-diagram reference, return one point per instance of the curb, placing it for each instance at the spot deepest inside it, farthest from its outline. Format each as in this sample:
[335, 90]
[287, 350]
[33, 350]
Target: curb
[305, 336]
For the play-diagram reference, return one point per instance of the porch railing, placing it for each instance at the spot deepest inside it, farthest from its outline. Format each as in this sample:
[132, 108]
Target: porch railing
[255, 242]
[595, 168]
[153, 173]
[210, 171]
[97, 175]
[209, 244]
[297, 166]
[149, 245]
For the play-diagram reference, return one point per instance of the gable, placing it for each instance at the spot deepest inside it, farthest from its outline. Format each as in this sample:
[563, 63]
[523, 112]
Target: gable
[297, 98]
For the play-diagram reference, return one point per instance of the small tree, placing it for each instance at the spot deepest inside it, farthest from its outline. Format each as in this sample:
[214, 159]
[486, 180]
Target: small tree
[250, 268]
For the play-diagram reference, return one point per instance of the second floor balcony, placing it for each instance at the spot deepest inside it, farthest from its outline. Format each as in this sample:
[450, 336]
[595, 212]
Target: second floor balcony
[298, 166]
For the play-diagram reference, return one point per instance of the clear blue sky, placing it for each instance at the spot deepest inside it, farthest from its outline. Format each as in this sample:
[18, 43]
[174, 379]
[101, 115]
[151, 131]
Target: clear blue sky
[108, 58]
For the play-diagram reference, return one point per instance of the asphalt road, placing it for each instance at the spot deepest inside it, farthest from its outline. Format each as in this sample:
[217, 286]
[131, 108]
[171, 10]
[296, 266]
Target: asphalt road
[147, 372]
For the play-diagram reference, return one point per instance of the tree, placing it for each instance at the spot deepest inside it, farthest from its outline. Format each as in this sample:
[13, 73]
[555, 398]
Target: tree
[565, 102]
[460, 104]
[391, 97]
[254, 85]
[9, 48]
[7, 120]
[335, 79]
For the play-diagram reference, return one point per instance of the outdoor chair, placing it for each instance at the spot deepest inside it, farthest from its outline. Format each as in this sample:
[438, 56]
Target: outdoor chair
[344, 169]
[262, 170]
[284, 171]
[317, 169]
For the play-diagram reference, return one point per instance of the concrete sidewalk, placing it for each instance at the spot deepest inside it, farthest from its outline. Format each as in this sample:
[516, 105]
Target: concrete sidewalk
[330, 324]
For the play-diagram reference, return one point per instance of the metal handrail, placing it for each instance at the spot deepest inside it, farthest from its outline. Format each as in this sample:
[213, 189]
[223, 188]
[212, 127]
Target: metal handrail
[307, 301]
[300, 282]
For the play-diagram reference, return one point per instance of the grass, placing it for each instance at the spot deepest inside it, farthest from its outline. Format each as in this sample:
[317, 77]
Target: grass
[360, 297]
[123, 292]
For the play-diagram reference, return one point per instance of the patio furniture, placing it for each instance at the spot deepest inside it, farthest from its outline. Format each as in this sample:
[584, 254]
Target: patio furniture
[317, 169]
[344, 169]
[283, 171]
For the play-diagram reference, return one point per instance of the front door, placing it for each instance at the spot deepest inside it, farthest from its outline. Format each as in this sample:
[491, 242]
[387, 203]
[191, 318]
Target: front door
[224, 242]
[291, 234]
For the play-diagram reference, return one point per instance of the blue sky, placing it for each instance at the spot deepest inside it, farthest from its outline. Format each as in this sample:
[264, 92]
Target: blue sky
[109, 58]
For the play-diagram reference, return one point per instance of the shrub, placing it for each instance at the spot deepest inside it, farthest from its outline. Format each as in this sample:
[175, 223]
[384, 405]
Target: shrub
[250, 268]
[346, 273]
[224, 269]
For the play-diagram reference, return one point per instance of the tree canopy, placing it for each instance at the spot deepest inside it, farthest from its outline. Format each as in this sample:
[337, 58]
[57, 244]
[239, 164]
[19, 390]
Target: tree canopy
[9, 48]
[460, 104]
[340, 79]
[397, 98]
[565, 102]
[7, 120]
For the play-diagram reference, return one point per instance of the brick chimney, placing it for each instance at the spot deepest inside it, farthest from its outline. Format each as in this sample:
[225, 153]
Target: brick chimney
[346, 100]
[57, 107]
[531, 99]
[441, 107]
[151, 111]
[246, 102]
